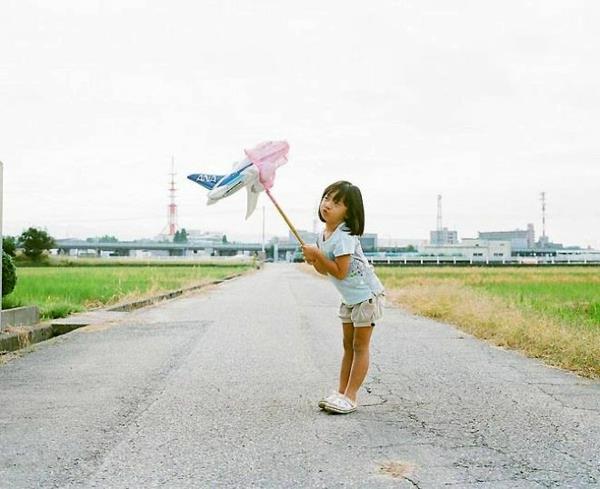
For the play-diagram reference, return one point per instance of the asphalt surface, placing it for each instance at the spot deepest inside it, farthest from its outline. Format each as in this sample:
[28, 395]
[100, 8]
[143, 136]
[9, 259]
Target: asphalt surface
[220, 389]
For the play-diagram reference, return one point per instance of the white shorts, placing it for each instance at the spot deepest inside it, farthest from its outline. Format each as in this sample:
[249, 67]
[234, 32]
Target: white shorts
[364, 313]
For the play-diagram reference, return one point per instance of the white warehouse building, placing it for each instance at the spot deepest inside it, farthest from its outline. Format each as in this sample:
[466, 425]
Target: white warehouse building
[471, 248]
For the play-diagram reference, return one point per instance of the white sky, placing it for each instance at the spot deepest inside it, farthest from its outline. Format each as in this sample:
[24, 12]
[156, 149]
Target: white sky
[487, 103]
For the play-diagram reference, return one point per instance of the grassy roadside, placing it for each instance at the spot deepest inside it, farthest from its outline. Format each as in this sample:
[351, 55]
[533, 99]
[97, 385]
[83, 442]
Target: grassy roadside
[67, 261]
[60, 291]
[548, 313]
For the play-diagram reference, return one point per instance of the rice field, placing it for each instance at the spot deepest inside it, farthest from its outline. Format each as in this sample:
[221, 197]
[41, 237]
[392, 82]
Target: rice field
[552, 313]
[60, 291]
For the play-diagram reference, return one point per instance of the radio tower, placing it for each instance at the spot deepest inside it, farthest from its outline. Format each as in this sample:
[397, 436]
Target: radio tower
[543, 199]
[439, 213]
[172, 206]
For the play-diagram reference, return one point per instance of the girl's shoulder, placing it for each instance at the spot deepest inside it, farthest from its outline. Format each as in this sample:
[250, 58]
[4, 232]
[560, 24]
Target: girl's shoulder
[345, 235]
[344, 231]
[346, 239]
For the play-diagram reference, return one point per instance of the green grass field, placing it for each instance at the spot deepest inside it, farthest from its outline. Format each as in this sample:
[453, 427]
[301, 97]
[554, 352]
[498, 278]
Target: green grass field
[551, 313]
[568, 294]
[59, 291]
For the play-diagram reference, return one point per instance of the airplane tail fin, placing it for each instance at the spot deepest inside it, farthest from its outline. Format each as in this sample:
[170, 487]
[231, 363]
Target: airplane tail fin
[251, 202]
[206, 180]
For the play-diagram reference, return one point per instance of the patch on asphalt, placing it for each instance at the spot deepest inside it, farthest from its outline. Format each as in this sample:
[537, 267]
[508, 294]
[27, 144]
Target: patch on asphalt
[397, 469]
[93, 328]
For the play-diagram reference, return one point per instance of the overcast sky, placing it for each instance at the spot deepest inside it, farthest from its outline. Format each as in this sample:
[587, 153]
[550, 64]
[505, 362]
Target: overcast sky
[486, 103]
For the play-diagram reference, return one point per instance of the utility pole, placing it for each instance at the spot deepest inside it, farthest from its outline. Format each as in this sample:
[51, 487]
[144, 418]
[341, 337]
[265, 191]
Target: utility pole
[543, 199]
[543, 239]
[263, 228]
[439, 213]
[1, 235]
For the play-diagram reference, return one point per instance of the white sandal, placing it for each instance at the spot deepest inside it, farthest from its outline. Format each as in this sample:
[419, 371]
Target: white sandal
[323, 402]
[341, 405]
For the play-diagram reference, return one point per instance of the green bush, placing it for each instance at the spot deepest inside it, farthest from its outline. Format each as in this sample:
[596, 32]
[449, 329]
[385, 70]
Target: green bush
[9, 274]
[9, 245]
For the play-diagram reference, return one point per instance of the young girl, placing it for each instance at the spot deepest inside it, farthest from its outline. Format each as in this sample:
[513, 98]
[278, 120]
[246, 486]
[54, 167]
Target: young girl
[339, 255]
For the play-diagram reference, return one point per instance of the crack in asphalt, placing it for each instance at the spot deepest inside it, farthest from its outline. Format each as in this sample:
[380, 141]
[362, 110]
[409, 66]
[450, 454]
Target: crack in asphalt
[135, 409]
[414, 483]
[562, 403]
[526, 471]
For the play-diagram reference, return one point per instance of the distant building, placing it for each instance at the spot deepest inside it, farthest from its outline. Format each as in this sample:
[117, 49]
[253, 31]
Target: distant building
[198, 236]
[476, 249]
[443, 237]
[390, 243]
[578, 254]
[368, 241]
[545, 244]
[519, 239]
[307, 236]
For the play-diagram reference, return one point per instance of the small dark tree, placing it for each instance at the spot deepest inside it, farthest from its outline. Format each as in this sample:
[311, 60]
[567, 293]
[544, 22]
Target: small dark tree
[9, 274]
[108, 239]
[224, 239]
[102, 239]
[180, 236]
[34, 242]
[9, 245]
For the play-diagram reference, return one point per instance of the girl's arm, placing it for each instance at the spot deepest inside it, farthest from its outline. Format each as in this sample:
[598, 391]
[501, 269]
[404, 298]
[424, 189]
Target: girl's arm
[337, 268]
[319, 268]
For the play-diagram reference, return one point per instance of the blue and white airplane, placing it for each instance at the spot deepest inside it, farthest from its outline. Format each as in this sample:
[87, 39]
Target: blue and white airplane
[244, 174]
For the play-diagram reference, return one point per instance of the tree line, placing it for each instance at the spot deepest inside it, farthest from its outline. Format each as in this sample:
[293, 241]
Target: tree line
[33, 242]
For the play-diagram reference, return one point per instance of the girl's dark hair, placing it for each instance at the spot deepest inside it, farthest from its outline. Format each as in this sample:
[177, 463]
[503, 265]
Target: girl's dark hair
[352, 198]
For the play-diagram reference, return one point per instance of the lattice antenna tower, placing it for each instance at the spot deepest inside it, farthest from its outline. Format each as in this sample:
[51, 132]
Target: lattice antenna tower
[439, 213]
[543, 199]
[172, 221]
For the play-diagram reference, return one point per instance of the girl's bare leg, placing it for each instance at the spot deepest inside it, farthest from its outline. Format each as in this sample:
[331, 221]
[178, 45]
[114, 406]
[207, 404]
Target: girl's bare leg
[360, 361]
[348, 356]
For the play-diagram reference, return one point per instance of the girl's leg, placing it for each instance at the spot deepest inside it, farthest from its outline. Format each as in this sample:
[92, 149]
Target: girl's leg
[360, 363]
[348, 356]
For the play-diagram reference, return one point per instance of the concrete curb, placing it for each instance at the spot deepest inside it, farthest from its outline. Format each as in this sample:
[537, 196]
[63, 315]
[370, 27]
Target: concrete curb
[131, 306]
[26, 336]
[20, 316]
[29, 335]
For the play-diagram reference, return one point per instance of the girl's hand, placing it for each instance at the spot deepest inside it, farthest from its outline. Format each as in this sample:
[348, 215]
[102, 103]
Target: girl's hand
[310, 253]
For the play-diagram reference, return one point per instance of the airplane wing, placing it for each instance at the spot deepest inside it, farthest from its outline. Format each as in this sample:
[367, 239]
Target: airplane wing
[251, 201]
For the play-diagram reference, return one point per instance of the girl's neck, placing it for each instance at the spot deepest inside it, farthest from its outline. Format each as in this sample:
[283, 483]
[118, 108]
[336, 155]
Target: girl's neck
[331, 227]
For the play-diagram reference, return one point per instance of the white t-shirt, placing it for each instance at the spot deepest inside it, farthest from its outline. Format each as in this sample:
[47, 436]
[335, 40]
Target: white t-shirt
[361, 283]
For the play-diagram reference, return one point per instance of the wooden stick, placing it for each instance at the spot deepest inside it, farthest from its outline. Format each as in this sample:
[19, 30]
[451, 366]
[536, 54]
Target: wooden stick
[285, 218]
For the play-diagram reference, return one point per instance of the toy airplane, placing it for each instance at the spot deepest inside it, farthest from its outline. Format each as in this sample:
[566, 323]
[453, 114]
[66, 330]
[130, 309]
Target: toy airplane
[255, 172]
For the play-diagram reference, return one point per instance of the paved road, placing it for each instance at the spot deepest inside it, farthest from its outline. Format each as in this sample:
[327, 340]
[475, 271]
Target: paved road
[219, 389]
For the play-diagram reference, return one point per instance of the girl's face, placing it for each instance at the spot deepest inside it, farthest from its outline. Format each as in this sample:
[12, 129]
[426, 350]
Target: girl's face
[333, 212]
